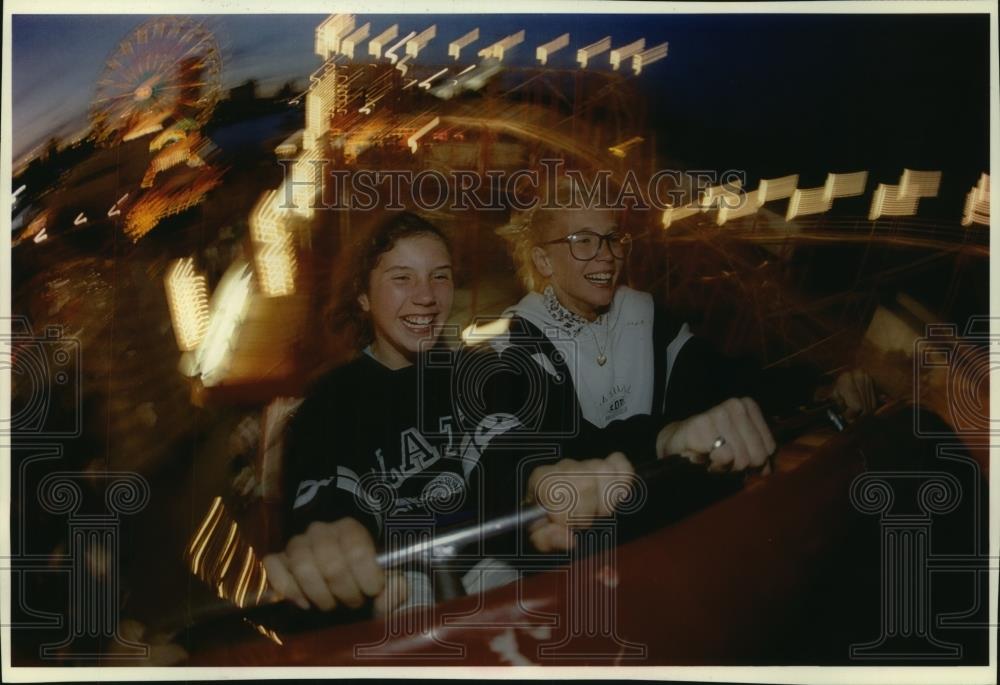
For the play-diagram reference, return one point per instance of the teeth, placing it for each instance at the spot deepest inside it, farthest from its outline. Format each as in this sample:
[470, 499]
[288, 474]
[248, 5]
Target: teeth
[599, 278]
[418, 320]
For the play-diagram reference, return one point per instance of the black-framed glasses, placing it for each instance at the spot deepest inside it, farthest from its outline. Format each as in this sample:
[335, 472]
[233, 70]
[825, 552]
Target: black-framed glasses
[585, 245]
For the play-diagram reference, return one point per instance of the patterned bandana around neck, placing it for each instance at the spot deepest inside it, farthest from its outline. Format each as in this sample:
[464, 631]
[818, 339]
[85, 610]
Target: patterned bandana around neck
[564, 318]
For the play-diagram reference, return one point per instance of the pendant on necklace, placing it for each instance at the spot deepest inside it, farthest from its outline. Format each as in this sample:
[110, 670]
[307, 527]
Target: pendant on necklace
[601, 359]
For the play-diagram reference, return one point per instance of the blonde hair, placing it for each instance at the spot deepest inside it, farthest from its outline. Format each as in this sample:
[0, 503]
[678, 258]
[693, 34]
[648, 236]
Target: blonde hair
[526, 228]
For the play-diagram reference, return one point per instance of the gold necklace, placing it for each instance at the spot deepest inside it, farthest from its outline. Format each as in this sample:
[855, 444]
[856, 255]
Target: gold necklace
[602, 358]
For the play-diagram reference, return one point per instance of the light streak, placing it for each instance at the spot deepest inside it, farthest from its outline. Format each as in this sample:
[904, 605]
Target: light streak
[584, 54]
[887, 201]
[777, 188]
[391, 52]
[643, 59]
[498, 49]
[748, 207]
[420, 41]
[919, 183]
[330, 32]
[845, 185]
[376, 44]
[977, 203]
[544, 51]
[426, 128]
[455, 46]
[426, 83]
[348, 44]
[229, 303]
[805, 201]
[618, 55]
[187, 297]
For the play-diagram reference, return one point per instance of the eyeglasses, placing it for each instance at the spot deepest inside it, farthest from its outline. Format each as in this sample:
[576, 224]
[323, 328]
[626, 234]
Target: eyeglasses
[585, 245]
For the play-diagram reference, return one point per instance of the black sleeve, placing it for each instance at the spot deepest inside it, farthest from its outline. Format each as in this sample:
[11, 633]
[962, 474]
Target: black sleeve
[702, 378]
[312, 490]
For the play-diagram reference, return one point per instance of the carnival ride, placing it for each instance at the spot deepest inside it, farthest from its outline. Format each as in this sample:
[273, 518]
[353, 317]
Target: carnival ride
[738, 257]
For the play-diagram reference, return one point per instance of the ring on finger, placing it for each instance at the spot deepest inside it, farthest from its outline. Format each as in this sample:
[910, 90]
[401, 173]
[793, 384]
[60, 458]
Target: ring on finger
[718, 442]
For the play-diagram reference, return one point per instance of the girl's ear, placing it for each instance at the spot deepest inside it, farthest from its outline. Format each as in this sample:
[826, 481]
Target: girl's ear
[540, 258]
[363, 301]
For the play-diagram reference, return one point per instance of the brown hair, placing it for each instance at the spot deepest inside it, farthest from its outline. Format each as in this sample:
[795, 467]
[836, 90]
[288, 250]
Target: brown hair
[346, 315]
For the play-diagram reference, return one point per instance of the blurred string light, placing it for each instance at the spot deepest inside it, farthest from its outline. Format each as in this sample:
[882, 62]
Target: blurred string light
[977, 203]
[420, 41]
[187, 297]
[347, 45]
[776, 188]
[585, 54]
[643, 59]
[806, 201]
[330, 32]
[887, 200]
[618, 55]
[228, 307]
[919, 183]
[218, 555]
[274, 255]
[376, 44]
[421, 132]
[546, 50]
[455, 47]
[845, 185]
[391, 55]
[499, 49]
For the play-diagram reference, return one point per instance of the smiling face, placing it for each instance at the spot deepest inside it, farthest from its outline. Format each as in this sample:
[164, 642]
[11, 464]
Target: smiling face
[409, 298]
[585, 288]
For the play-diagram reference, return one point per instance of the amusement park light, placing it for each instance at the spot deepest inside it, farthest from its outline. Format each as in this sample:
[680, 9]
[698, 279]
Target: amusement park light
[306, 182]
[455, 46]
[845, 185]
[776, 188]
[621, 149]
[426, 83]
[712, 198]
[476, 333]
[348, 44]
[806, 201]
[420, 41]
[888, 201]
[80, 219]
[542, 52]
[228, 306]
[618, 55]
[749, 206]
[498, 49]
[330, 32]
[376, 44]
[187, 298]
[672, 214]
[274, 256]
[643, 59]
[584, 55]
[977, 203]
[323, 91]
[41, 236]
[116, 207]
[919, 183]
[391, 52]
[421, 132]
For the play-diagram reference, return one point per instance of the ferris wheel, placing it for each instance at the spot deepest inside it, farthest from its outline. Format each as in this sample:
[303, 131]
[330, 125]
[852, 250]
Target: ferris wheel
[167, 71]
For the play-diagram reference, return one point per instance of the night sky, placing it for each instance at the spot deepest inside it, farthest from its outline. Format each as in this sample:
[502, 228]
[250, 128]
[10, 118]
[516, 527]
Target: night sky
[772, 94]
